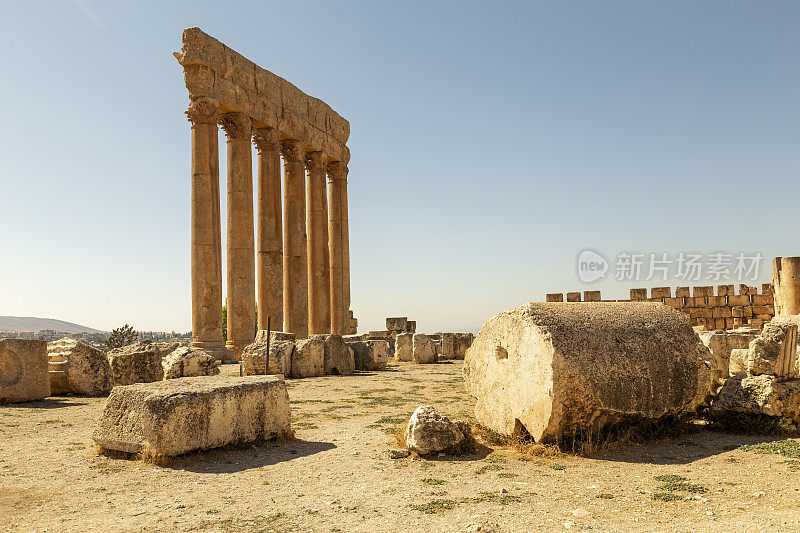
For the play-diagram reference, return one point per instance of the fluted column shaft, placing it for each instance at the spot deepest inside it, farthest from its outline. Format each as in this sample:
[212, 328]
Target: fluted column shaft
[241, 234]
[319, 280]
[337, 190]
[345, 255]
[269, 236]
[206, 257]
[295, 258]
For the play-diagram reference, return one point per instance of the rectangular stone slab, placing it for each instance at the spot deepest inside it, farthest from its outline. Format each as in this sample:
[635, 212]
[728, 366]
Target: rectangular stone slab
[168, 418]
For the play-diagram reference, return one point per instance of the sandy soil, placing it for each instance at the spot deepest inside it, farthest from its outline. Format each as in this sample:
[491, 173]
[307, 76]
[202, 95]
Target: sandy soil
[337, 475]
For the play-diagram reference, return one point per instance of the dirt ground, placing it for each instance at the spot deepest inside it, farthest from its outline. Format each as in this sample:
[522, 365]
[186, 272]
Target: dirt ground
[337, 475]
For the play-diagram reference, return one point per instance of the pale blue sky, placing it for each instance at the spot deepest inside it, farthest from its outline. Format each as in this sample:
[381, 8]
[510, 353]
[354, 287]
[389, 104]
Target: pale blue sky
[491, 142]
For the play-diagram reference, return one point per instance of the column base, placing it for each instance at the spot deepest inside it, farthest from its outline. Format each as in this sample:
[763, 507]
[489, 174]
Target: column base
[235, 348]
[215, 348]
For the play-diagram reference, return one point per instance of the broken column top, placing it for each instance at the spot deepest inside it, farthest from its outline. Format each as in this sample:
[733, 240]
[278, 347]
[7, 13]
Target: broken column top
[213, 70]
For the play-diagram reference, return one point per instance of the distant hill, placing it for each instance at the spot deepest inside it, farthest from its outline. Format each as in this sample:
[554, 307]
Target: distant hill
[23, 323]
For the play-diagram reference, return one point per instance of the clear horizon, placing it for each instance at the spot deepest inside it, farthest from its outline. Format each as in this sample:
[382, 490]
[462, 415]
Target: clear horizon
[491, 145]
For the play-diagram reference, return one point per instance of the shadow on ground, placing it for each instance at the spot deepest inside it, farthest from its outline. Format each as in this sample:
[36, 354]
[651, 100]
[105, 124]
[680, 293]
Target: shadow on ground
[239, 458]
[49, 403]
[684, 449]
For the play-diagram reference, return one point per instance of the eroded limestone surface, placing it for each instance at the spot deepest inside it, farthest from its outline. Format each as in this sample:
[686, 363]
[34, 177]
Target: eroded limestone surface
[560, 369]
[77, 368]
[173, 417]
[23, 370]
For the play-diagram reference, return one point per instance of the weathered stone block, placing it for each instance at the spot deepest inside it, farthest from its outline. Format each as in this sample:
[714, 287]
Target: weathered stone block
[429, 432]
[454, 345]
[555, 297]
[139, 362]
[774, 351]
[338, 356]
[738, 361]
[700, 312]
[23, 370]
[177, 416]
[77, 368]
[763, 310]
[638, 294]
[411, 326]
[573, 297]
[397, 323]
[404, 347]
[725, 290]
[716, 301]
[674, 302]
[591, 296]
[254, 358]
[721, 344]
[699, 292]
[423, 350]
[696, 302]
[189, 362]
[682, 292]
[721, 312]
[758, 395]
[308, 358]
[764, 300]
[554, 370]
[661, 292]
[370, 354]
[739, 300]
[379, 335]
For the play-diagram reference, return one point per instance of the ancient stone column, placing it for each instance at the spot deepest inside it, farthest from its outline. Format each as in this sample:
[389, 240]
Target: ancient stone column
[269, 236]
[346, 255]
[241, 234]
[206, 254]
[295, 259]
[337, 190]
[786, 285]
[319, 280]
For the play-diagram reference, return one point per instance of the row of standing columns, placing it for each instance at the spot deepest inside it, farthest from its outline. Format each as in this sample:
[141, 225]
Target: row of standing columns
[294, 262]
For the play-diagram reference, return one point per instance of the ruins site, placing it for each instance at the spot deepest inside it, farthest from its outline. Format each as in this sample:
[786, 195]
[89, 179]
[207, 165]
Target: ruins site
[673, 409]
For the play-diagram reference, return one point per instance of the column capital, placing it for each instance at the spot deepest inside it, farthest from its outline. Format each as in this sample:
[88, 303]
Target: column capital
[236, 125]
[337, 170]
[293, 150]
[266, 139]
[316, 161]
[203, 110]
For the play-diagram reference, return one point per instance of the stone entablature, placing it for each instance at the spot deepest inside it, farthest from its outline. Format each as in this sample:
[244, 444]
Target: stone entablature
[213, 70]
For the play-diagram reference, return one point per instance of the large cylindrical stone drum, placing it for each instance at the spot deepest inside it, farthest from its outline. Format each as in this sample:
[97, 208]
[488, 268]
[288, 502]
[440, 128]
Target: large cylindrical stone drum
[566, 370]
[786, 285]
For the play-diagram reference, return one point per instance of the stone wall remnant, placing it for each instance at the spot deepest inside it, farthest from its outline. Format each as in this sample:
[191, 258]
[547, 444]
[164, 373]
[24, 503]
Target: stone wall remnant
[725, 311]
